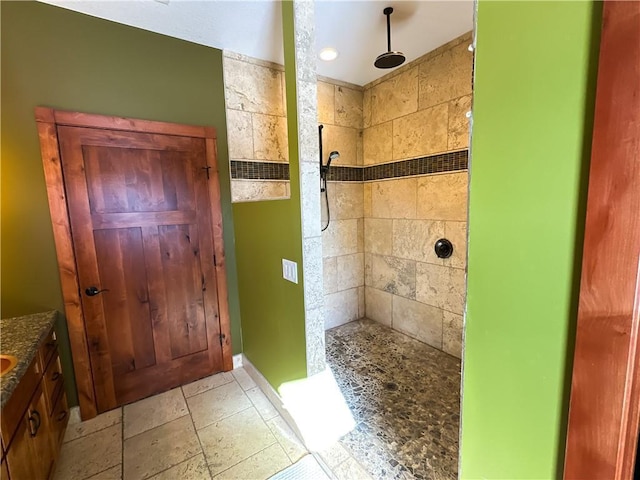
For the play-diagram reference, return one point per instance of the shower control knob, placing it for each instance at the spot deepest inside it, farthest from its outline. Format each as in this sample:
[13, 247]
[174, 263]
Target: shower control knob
[443, 248]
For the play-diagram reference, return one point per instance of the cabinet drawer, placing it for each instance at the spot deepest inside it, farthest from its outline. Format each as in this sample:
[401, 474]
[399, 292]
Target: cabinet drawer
[52, 382]
[48, 349]
[18, 402]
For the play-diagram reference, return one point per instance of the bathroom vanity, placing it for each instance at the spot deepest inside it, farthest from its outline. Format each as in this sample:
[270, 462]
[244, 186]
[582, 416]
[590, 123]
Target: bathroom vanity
[32, 397]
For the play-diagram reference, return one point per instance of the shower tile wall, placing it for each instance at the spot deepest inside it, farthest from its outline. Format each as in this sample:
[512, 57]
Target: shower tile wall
[340, 111]
[256, 123]
[418, 110]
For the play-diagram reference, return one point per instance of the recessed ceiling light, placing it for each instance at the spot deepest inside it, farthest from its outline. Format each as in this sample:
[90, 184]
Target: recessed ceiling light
[329, 53]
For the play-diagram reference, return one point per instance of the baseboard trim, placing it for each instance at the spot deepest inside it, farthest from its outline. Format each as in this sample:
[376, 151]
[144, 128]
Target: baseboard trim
[271, 394]
[237, 361]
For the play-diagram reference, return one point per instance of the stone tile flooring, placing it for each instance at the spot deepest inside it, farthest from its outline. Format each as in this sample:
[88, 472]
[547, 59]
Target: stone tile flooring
[405, 399]
[404, 396]
[220, 427]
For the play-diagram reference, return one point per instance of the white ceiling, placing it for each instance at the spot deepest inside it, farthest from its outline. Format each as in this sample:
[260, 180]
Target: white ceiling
[357, 29]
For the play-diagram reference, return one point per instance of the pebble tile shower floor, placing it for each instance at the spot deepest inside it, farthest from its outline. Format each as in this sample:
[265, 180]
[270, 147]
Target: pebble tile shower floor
[405, 398]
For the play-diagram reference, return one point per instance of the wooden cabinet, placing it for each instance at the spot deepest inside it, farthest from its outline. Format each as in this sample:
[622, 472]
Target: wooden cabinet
[34, 418]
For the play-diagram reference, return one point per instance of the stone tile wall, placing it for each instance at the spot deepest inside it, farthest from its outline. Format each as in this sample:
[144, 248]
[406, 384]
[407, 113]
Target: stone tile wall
[340, 111]
[419, 109]
[256, 122]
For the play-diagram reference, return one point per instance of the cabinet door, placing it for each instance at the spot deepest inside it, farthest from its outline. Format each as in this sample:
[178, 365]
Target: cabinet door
[30, 455]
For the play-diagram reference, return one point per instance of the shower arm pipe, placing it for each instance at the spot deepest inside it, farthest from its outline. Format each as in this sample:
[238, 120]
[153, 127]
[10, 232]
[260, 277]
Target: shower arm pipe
[388, 32]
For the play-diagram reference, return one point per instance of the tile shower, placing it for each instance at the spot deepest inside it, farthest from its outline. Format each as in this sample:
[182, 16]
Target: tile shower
[399, 185]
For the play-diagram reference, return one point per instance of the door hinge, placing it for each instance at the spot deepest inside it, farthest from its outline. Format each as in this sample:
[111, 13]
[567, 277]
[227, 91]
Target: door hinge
[207, 168]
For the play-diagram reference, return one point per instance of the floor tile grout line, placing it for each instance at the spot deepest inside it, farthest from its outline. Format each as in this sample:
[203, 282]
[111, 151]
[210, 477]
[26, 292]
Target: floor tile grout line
[153, 428]
[275, 442]
[95, 431]
[195, 431]
[206, 390]
[224, 418]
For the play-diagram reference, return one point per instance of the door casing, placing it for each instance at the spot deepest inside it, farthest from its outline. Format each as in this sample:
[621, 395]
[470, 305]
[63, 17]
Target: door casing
[48, 120]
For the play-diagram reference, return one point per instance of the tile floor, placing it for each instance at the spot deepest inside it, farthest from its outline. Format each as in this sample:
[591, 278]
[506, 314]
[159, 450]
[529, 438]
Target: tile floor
[220, 427]
[405, 398]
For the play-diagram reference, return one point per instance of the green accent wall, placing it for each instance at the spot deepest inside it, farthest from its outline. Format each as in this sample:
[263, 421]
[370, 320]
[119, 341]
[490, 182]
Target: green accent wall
[57, 58]
[273, 315]
[533, 111]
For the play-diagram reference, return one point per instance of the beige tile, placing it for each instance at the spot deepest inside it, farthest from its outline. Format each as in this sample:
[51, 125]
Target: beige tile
[456, 232]
[378, 305]
[395, 97]
[207, 383]
[341, 238]
[234, 439]
[153, 411]
[394, 198]
[342, 139]
[378, 236]
[334, 455]
[346, 200]
[262, 465]
[340, 307]
[253, 88]
[80, 429]
[366, 108]
[212, 405]
[360, 147]
[348, 107]
[163, 447]
[330, 275]
[443, 197]
[91, 454]
[367, 199]
[459, 123]
[360, 248]
[361, 302]
[193, 469]
[351, 470]
[270, 138]
[350, 271]
[258, 190]
[442, 287]
[377, 144]
[288, 440]
[421, 133]
[243, 378]
[415, 239]
[368, 267]
[446, 76]
[262, 404]
[239, 134]
[114, 473]
[394, 275]
[418, 320]
[452, 334]
[326, 103]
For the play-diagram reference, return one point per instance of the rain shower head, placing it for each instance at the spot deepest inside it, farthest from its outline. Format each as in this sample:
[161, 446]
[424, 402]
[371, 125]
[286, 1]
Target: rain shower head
[389, 59]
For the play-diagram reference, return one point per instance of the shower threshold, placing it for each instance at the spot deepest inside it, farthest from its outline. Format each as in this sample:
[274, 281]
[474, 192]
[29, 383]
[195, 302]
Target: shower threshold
[405, 398]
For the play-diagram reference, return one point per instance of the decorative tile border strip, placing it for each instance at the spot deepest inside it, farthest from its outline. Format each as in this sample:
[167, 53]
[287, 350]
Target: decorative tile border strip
[444, 162]
[241, 169]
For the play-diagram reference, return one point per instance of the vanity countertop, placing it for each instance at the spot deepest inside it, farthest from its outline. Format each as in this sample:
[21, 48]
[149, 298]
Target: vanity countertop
[21, 337]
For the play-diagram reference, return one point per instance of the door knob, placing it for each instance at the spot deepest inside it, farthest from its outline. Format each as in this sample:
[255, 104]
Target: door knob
[93, 291]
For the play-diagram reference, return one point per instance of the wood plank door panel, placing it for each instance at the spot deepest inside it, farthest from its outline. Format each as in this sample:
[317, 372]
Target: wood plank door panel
[140, 218]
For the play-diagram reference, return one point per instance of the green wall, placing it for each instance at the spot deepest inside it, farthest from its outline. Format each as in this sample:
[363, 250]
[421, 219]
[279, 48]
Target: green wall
[532, 112]
[62, 59]
[272, 308]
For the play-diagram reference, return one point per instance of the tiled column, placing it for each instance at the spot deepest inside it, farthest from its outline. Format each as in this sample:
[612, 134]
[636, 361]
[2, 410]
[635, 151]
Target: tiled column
[306, 88]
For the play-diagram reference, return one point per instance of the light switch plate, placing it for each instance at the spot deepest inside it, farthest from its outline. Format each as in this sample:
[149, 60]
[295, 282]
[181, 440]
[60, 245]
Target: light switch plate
[289, 270]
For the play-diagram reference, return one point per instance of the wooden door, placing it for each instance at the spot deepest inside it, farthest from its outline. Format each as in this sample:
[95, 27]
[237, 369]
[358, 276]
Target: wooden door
[605, 391]
[137, 222]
